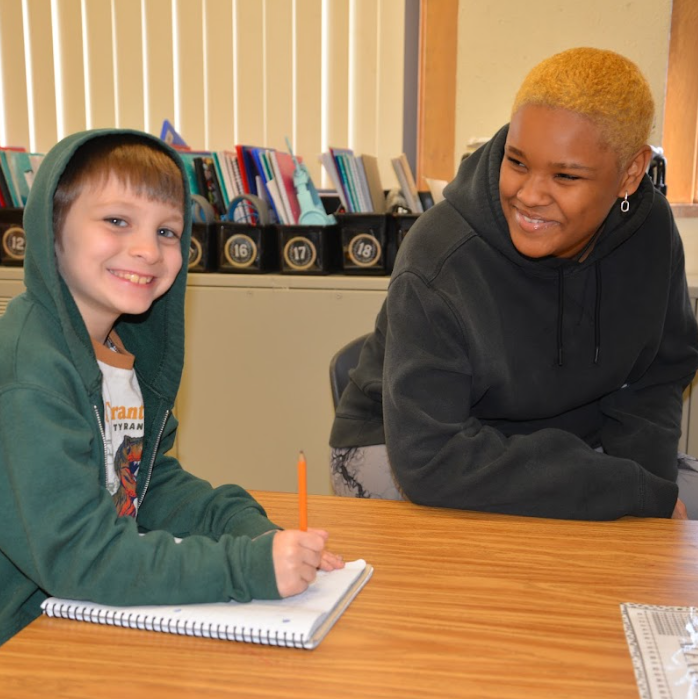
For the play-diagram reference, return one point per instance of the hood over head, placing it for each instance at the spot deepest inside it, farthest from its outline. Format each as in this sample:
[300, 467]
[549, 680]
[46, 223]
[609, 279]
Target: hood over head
[155, 337]
[475, 194]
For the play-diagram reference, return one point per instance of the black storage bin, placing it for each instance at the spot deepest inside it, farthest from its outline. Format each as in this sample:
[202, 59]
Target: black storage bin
[202, 249]
[247, 249]
[401, 225]
[368, 243]
[309, 249]
[13, 242]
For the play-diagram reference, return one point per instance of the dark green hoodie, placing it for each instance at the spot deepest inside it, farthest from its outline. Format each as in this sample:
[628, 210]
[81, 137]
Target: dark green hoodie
[59, 532]
[493, 378]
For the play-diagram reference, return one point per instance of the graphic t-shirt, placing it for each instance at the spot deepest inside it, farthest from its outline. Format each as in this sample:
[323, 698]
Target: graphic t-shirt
[123, 423]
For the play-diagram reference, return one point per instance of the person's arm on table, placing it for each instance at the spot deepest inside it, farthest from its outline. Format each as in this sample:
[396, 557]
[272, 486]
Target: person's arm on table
[643, 419]
[443, 456]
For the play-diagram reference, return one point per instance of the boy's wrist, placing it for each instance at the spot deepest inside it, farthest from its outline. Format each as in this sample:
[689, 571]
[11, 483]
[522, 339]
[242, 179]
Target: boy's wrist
[261, 567]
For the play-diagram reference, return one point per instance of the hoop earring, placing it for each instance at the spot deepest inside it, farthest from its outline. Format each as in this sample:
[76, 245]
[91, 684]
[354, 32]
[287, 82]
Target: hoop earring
[625, 204]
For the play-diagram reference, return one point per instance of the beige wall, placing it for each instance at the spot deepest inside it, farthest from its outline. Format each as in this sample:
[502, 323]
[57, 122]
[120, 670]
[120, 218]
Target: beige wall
[501, 40]
[688, 227]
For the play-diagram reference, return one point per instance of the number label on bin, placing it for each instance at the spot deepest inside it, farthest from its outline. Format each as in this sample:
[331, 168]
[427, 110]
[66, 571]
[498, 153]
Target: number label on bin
[240, 250]
[14, 243]
[300, 253]
[364, 250]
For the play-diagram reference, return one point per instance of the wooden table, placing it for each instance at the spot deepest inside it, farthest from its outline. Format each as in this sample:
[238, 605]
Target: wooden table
[460, 605]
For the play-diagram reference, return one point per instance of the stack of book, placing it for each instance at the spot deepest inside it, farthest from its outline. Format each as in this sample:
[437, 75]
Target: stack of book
[17, 170]
[356, 179]
[220, 176]
[404, 175]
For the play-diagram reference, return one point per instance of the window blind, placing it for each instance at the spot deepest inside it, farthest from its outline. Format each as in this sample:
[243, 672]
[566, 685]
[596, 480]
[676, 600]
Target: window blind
[322, 72]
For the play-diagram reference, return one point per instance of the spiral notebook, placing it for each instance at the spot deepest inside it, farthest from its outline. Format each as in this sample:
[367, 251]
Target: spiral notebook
[298, 622]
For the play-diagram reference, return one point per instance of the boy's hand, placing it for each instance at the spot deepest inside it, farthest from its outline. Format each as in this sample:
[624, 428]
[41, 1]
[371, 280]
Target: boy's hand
[297, 556]
[331, 561]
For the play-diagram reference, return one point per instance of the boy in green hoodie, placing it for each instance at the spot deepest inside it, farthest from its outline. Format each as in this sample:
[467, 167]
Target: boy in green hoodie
[90, 362]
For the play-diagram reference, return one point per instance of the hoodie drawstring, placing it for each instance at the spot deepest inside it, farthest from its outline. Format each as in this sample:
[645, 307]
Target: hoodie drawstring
[561, 311]
[597, 314]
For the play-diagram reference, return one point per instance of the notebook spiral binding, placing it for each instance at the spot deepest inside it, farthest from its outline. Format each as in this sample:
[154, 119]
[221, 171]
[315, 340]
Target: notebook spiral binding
[146, 622]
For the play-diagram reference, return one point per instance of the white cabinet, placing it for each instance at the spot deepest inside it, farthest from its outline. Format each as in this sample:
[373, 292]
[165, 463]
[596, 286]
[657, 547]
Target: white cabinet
[256, 387]
[10, 285]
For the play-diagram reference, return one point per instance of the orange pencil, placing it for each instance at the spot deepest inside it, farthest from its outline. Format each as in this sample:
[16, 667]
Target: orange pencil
[302, 493]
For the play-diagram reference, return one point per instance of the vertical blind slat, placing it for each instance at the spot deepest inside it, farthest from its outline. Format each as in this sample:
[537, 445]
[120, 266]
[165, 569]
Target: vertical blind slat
[190, 72]
[69, 66]
[158, 69]
[15, 128]
[99, 65]
[128, 64]
[218, 47]
[308, 112]
[335, 67]
[278, 72]
[363, 38]
[390, 87]
[41, 89]
[249, 76]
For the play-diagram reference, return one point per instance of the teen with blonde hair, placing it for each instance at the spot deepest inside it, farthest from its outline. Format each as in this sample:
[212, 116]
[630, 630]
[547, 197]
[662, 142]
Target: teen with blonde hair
[537, 335]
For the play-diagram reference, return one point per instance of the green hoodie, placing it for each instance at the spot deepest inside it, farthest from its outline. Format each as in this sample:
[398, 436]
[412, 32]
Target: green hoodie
[59, 531]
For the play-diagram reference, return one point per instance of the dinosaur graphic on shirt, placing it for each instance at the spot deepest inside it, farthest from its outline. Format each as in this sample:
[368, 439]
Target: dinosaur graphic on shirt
[127, 461]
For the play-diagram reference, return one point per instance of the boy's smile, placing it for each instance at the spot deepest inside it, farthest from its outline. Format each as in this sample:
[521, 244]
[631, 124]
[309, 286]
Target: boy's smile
[118, 252]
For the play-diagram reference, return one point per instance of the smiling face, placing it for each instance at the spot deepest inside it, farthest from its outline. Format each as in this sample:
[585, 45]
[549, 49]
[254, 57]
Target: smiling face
[117, 252]
[558, 181]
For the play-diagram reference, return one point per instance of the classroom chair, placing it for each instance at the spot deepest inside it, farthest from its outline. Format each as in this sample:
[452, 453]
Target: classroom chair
[353, 473]
[344, 360]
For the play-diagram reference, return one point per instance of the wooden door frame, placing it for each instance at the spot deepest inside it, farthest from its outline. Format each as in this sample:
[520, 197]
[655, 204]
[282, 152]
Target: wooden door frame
[680, 138]
[436, 100]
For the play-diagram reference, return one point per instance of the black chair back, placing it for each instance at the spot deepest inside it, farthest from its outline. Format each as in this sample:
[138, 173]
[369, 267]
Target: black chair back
[344, 360]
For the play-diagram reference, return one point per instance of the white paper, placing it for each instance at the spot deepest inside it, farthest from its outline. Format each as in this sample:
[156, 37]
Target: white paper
[663, 643]
[259, 621]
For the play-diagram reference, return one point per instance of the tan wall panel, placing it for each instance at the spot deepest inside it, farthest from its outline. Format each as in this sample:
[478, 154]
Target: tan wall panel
[493, 57]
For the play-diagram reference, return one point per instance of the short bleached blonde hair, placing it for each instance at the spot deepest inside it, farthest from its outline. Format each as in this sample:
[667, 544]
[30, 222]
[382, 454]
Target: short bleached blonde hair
[602, 85]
